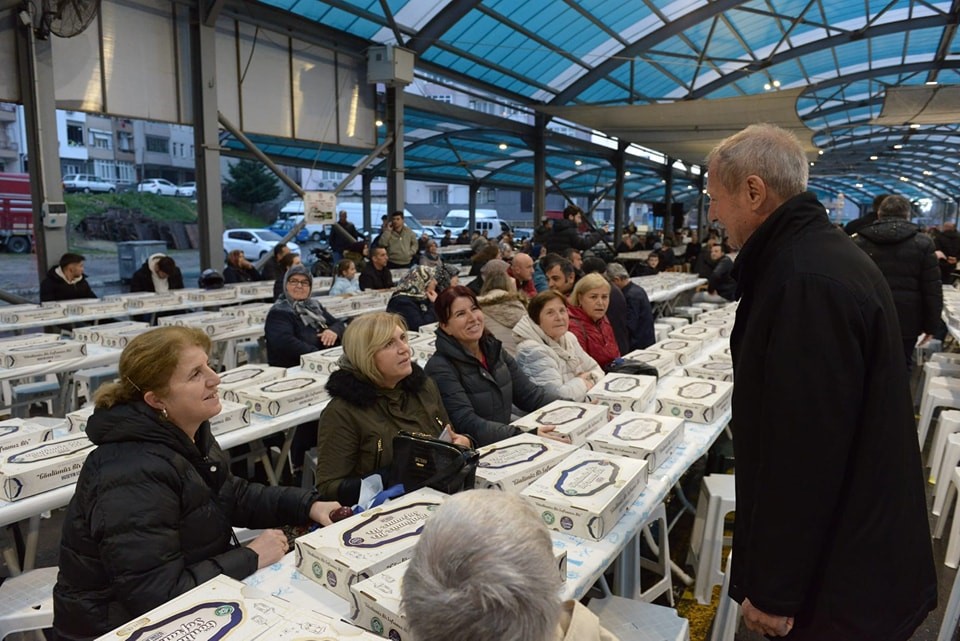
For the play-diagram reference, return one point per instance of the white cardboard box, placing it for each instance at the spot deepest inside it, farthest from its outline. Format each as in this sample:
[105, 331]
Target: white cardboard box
[94, 333]
[255, 313]
[723, 325]
[118, 339]
[22, 432]
[648, 437]
[321, 362]
[587, 493]
[222, 295]
[77, 419]
[284, 395]
[38, 468]
[576, 420]
[424, 347]
[27, 339]
[213, 323]
[693, 399]
[514, 463]
[304, 625]
[663, 362]
[220, 608]
[232, 416]
[246, 376]
[364, 544]
[30, 313]
[684, 350]
[697, 332]
[713, 370]
[673, 321]
[375, 603]
[150, 300]
[429, 328]
[623, 392]
[84, 306]
[41, 353]
[261, 289]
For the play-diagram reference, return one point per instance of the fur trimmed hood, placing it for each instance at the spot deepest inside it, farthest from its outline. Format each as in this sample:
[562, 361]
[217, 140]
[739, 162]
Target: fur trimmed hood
[350, 385]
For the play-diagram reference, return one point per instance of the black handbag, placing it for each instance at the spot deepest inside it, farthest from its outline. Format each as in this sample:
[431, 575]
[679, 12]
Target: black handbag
[423, 461]
[630, 366]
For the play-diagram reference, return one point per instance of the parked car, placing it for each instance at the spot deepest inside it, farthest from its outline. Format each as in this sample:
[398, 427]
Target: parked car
[187, 190]
[157, 186]
[282, 225]
[255, 243]
[87, 183]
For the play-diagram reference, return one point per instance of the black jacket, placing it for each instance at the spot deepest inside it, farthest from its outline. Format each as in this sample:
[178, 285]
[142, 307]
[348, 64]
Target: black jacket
[233, 274]
[618, 313]
[339, 242]
[639, 318]
[565, 235]
[949, 243]
[721, 279]
[142, 281]
[831, 521]
[478, 399]
[416, 311]
[288, 338]
[54, 287]
[907, 260]
[372, 278]
[857, 224]
[151, 519]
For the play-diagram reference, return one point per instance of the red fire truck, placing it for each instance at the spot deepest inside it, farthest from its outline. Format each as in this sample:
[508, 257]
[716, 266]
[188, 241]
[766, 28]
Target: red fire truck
[16, 213]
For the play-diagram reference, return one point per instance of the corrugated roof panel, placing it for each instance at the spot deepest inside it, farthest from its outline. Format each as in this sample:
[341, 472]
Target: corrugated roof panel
[924, 42]
[757, 30]
[603, 91]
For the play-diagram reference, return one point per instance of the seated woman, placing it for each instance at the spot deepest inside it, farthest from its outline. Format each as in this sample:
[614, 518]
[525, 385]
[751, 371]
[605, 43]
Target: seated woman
[413, 298]
[238, 269]
[347, 281]
[502, 307]
[479, 382]
[589, 322]
[377, 392]
[549, 354]
[298, 324]
[500, 570]
[430, 257]
[155, 501]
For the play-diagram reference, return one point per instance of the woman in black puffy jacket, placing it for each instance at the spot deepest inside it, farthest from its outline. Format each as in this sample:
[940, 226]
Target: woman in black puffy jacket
[155, 501]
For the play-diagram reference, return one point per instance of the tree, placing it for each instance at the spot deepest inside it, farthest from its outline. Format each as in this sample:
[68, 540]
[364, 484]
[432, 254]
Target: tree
[251, 183]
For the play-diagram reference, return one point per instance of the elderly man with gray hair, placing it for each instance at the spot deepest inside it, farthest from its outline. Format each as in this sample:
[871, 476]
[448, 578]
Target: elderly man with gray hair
[639, 310]
[908, 261]
[484, 569]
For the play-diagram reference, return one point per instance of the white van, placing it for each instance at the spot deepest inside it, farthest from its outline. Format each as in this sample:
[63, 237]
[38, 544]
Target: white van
[354, 210]
[487, 220]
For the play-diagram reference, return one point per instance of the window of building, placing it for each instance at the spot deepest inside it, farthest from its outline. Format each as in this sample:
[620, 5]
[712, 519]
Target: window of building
[124, 141]
[101, 139]
[447, 98]
[157, 144]
[74, 134]
[71, 169]
[438, 195]
[486, 195]
[104, 169]
[126, 172]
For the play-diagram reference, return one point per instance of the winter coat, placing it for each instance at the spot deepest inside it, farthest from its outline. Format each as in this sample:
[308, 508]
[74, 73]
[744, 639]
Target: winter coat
[501, 313]
[288, 338]
[639, 318]
[906, 259]
[855, 225]
[373, 278]
[565, 235]
[233, 274]
[142, 279]
[342, 285]
[55, 287]
[617, 314]
[357, 427]
[479, 399]
[151, 518]
[416, 311]
[831, 521]
[720, 279]
[556, 365]
[339, 241]
[948, 242]
[401, 247]
[596, 338]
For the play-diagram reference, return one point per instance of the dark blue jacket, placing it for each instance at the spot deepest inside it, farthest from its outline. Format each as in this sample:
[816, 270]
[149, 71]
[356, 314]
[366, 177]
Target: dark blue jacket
[639, 317]
[288, 338]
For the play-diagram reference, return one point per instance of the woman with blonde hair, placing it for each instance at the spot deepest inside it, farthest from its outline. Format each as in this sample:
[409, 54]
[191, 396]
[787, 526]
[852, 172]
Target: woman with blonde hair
[377, 391]
[155, 501]
[549, 354]
[589, 322]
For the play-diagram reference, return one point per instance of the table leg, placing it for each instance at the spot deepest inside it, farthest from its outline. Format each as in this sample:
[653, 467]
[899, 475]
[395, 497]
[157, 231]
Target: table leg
[626, 569]
[284, 451]
[33, 539]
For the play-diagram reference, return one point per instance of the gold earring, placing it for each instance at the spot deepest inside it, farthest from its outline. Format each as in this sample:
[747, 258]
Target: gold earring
[164, 414]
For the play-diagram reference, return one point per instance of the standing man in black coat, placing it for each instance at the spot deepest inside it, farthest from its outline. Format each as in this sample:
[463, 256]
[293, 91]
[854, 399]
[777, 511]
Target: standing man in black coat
[66, 281]
[908, 262]
[947, 242]
[342, 237]
[869, 218]
[831, 538]
[566, 233]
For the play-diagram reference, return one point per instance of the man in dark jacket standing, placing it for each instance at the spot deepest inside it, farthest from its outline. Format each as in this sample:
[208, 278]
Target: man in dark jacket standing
[639, 311]
[869, 218]
[947, 242]
[831, 538]
[908, 262]
[66, 281]
[566, 233]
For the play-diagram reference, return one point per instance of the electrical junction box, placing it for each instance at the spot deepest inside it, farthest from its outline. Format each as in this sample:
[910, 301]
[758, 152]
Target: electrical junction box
[54, 215]
[391, 65]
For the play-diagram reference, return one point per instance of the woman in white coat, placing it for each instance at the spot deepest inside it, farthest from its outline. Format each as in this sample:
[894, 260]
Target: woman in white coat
[549, 354]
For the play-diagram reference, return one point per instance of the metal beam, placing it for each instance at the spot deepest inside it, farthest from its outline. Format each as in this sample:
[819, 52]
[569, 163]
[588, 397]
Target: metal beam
[206, 139]
[539, 170]
[396, 178]
[440, 24]
[392, 22]
[211, 11]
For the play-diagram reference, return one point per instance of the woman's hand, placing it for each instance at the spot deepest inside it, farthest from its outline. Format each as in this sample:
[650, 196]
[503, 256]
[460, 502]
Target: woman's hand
[431, 295]
[320, 511]
[549, 431]
[458, 439]
[328, 337]
[270, 547]
[587, 378]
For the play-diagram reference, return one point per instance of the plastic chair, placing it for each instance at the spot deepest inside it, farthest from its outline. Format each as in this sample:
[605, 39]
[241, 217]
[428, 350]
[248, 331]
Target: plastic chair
[626, 568]
[936, 367]
[948, 424]
[950, 460]
[26, 602]
[629, 620]
[953, 544]
[951, 616]
[717, 499]
[727, 619]
[943, 393]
